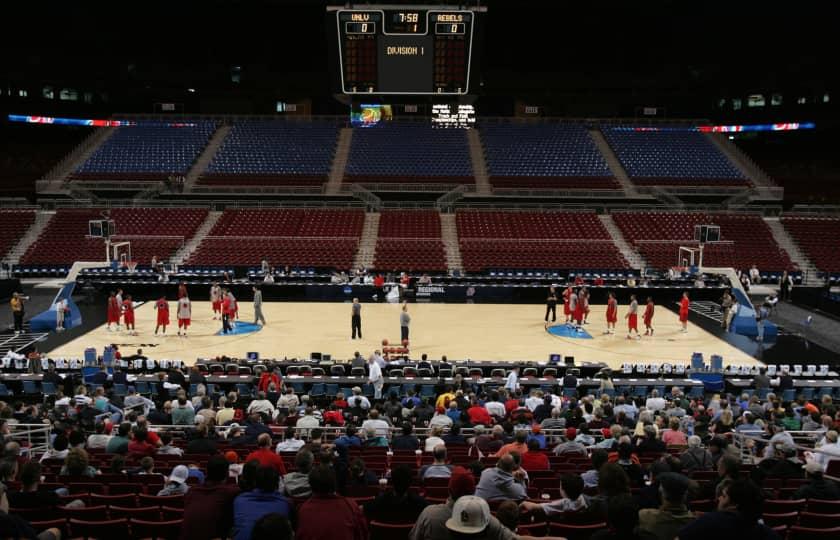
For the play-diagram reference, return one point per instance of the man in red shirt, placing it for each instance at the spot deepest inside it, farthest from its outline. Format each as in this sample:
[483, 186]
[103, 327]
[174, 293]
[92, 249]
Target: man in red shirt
[512, 403]
[534, 459]
[265, 455]
[478, 414]
[327, 515]
[139, 446]
[208, 508]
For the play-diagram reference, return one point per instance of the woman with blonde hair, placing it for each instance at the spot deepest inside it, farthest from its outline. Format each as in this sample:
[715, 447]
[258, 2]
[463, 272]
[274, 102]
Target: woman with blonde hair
[724, 424]
[673, 436]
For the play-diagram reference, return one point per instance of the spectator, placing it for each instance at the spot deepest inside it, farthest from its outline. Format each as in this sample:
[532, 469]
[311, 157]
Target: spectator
[30, 496]
[537, 435]
[432, 521]
[477, 414]
[264, 499]
[289, 400]
[622, 520]
[534, 459]
[265, 455]
[307, 422]
[696, 458]
[590, 477]
[176, 483]
[12, 526]
[439, 468]
[572, 498]
[649, 444]
[737, 515]
[817, 486]
[631, 468]
[98, 440]
[519, 445]
[202, 443]
[166, 447]
[381, 427]
[666, 521]
[139, 445]
[490, 443]
[261, 406]
[406, 441]
[454, 437]
[673, 436]
[434, 439]
[440, 419]
[208, 508]
[360, 475]
[327, 515]
[291, 442]
[570, 445]
[296, 483]
[59, 448]
[357, 400]
[373, 439]
[183, 414]
[829, 450]
[655, 402]
[147, 467]
[503, 481]
[272, 527]
[398, 504]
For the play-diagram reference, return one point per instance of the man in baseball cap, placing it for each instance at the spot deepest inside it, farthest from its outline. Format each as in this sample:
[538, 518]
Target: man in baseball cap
[470, 515]
[434, 521]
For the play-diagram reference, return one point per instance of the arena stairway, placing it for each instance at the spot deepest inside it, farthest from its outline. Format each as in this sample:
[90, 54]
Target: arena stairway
[339, 164]
[54, 180]
[190, 246]
[206, 156]
[614, 164]
[479, 164]
[367, 243]
[449, 235]
[633, 257]
[42, 219]
[810, 274]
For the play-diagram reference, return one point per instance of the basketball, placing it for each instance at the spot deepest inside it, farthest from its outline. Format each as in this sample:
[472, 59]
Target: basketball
[384, 342]
[405, 343]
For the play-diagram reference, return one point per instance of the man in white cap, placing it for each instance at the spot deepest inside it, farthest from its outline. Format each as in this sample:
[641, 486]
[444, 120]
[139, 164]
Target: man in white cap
[471, 519]
[176, 484]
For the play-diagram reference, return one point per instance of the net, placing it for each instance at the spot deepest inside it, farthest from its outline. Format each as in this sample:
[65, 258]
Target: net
[131, 266]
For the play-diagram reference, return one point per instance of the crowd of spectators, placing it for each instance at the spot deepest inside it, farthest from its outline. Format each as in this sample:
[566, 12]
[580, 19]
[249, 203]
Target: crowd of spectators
[649, 457]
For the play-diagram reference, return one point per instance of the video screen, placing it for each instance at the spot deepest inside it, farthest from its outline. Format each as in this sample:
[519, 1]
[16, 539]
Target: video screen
[369, 115]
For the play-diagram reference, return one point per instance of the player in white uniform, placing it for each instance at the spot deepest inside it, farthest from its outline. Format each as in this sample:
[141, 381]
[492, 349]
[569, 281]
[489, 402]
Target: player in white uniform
[184, 314]
[216, 300]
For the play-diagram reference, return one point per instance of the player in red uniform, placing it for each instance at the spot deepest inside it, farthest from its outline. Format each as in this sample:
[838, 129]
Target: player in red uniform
[579, 280]
[128, 314]
[227, 311]
[684, 303]
[113, 312]
[632, 317]
[612, 314]
[567, 310]
[162, 307]
[648, 317]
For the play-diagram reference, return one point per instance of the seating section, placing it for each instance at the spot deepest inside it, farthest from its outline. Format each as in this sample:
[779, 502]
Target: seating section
[551, 156]
[748, 240]
[535, 240]
[274, 153]
[409, 153]
[671, 158]
[151, 231]
[13, 225]
[150, 152]
[818, 238]
[410, 240]
[296, 237]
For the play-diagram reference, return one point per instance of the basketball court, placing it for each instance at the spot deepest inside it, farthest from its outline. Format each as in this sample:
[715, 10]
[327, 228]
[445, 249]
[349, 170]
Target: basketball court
[490, 332]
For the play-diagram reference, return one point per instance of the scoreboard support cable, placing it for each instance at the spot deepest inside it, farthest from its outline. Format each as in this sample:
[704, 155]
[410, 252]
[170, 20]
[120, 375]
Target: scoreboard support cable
[410, 50]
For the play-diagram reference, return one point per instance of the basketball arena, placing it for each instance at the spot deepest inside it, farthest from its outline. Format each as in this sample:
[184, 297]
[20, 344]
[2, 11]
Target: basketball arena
[419, 271]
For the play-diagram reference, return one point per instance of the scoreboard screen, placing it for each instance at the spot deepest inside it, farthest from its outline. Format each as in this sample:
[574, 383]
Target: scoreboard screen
[412, 50]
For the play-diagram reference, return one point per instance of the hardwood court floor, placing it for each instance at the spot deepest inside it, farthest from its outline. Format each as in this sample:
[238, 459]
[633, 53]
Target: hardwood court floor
[476, 331]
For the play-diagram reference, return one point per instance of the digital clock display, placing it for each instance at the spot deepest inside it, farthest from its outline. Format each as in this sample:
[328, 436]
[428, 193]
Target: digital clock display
[405, 22]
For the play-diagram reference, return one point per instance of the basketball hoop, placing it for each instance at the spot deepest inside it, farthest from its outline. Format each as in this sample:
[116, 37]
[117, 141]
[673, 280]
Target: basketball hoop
[679, 270]
[131, 266]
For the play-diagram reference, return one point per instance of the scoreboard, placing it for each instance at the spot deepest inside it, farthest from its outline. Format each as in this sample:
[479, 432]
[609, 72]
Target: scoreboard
[410, 50]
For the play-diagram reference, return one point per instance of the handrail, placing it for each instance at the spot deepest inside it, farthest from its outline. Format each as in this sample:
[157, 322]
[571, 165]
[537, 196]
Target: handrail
[35, 437]
[739, 438]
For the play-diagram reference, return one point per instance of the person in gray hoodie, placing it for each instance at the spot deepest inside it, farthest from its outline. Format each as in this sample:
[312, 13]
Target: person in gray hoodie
[504, 481]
